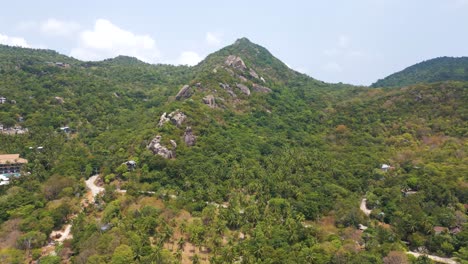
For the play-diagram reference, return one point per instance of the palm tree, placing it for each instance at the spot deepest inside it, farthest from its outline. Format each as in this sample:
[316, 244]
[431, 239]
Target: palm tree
[181, 243]
[178, 255]
[196, 259]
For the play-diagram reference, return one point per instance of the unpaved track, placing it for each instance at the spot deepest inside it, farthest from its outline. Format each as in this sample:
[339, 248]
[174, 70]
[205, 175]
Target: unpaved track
[363, 207]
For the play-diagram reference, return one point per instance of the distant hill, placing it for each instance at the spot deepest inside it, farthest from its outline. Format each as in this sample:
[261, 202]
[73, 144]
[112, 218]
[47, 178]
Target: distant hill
[434, 70]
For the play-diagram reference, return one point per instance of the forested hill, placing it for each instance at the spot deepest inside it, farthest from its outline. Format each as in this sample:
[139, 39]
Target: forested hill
[236, 159]
[434, 70]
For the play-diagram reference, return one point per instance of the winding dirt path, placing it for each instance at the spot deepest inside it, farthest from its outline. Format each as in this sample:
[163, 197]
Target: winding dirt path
[95, 190]
[366, 211]
[435, 258]
[58, 236]
[363, 207]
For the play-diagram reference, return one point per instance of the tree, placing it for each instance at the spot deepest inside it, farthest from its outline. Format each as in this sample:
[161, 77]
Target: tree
[396, 257]
[31, 239]
[123, 254]
[50, 260]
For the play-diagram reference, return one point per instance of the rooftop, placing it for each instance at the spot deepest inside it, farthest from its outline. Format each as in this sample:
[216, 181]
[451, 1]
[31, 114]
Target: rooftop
[11, 159]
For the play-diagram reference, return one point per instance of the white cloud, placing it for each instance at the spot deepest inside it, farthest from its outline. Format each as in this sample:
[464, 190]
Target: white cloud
[189, 58]
[213, 39]
[56, 27]
[13, 41]
[107, 40]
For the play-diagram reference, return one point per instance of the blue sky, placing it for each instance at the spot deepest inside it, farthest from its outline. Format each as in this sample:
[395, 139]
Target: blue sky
[354, 42]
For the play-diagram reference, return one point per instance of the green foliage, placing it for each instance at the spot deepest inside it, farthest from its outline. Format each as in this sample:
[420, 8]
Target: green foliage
[274, 167]
[123, 254]
[434, 70]
[50, 260]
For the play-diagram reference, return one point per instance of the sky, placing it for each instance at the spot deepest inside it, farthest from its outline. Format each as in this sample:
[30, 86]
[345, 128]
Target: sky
[355, 42]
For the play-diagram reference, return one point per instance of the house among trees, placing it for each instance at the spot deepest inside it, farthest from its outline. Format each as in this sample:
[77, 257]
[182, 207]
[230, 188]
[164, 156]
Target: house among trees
[440, 229]
[10, 165]
[2, 100]
[455, 230]
[4, 180]
[65, 129]
[62, 64]
[386, 167]
[408, 191]
[131, 164]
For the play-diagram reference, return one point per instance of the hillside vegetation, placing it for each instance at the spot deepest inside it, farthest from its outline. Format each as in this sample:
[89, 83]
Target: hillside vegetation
[238, 159]
[434, 70]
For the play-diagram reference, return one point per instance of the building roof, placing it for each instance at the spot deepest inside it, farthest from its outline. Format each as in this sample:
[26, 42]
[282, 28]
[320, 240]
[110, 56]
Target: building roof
[11, 159]
[440, 229]
[3, 178]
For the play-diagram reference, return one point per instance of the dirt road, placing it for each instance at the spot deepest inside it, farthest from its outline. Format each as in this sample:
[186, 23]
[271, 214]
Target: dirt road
[363, 207]
[435, 258]
[90, 183]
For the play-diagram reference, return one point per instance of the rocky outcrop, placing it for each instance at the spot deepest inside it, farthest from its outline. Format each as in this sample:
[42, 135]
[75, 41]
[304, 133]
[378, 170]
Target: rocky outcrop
[242, 78]
[210, 101]
[253, 74]
[261, 89]
[59, 100]
[184, 93]
[176, 117]
[235, 62]
[228, 89]
[189, 138]
[231, 93]
[163, 119]
[158, 149]
[224, 86]
[244, 89]
[173, 143]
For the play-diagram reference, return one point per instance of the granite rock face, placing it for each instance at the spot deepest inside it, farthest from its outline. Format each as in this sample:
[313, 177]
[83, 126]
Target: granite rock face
[235, 62]
[189, 138]
[177, 118]
[59, 100]
[184, 93]
[228, 89]
[158, 149]
[163, 119]
[244, 89]
[210, 101]
[253, 74]
[261, 89]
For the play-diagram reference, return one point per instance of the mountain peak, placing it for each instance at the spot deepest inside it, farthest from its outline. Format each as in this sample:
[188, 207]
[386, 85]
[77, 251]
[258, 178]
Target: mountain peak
[125, 60]
[243, 40]
[256, 60]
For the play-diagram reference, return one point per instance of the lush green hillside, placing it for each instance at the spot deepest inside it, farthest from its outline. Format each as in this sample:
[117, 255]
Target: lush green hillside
[434, 70]
[255, 163]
